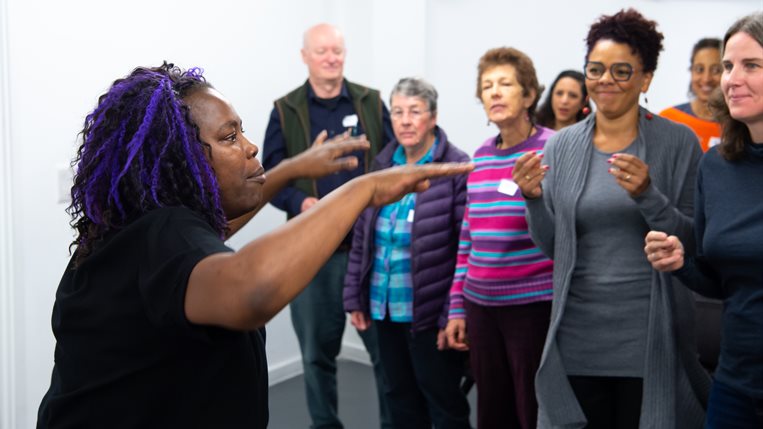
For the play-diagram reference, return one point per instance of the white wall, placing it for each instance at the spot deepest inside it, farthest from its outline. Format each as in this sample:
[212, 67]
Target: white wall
[62, 55]
[7, 332]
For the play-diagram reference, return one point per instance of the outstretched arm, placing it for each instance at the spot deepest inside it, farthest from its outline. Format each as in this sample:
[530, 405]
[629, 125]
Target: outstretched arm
[245, 289]
[322, 159]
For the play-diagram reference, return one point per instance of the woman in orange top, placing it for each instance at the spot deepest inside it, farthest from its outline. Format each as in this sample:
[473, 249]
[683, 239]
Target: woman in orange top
[705, 77]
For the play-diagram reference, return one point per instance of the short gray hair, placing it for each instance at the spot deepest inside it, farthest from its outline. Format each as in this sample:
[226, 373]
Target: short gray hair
[416, 87]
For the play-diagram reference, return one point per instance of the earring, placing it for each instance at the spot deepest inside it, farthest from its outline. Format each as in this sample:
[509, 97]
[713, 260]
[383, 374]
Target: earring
[586, 111]
[488, 122]
[648, 115]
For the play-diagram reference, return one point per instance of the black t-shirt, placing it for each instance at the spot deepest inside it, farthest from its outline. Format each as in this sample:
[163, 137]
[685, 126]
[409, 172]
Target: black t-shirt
[127, 357]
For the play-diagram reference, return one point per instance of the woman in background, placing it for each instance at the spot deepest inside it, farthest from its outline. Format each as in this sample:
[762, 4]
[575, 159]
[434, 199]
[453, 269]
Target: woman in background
[401, 268]
[705, 68]
[501, 296]
[728, 223]
[620, 351]
[566, 102]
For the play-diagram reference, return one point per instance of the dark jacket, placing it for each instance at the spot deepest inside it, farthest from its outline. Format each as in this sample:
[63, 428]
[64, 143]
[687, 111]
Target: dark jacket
[434, 242]
[295, 124]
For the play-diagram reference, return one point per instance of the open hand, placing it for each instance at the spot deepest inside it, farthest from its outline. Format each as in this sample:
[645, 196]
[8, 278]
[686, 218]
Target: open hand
[631, 173]
[327, 156]
[391, 184]
[665, 253]
[528, 173]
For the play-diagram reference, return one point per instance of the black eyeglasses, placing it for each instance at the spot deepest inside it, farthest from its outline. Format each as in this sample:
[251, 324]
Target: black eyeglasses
[620, 72]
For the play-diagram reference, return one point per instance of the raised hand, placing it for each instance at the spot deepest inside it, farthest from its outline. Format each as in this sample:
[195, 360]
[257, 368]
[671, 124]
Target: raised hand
[665, 253]
[631, 173]
[327, 156]
[528, 173]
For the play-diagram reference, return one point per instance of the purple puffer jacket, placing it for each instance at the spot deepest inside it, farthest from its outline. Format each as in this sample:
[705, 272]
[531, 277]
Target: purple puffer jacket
[434, 242]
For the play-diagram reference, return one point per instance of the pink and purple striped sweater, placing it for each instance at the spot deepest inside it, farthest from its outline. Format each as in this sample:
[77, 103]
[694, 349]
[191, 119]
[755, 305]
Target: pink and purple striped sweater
[498, 264]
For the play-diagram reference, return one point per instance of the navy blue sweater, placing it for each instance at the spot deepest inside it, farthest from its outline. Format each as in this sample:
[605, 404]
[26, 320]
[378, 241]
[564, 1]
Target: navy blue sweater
[729, 263]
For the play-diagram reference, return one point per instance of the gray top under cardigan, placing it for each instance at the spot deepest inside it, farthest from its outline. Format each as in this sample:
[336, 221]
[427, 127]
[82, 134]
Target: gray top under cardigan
[675, 385]
[602, 332]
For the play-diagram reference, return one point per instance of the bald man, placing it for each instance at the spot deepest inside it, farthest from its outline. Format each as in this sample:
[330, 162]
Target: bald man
[326, 105]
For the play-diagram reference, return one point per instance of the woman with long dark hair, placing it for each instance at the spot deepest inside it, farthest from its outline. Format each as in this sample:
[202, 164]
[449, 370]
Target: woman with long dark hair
[566, 102]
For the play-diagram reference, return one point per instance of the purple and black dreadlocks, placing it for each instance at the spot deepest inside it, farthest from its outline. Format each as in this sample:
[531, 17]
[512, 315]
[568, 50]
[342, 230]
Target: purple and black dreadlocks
[141, 151]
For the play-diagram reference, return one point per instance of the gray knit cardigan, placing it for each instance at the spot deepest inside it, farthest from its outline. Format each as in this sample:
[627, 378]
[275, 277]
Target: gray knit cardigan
[675, 386]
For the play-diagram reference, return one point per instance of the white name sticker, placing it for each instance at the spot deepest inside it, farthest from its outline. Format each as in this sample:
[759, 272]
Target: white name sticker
[507, 187]
[410, 216]
[350, 121]
[714, 141]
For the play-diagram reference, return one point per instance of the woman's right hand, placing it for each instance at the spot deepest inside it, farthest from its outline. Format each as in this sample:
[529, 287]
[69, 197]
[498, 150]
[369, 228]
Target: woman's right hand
[359, 320]
[665, 253]
[528, 173]
[456, 333]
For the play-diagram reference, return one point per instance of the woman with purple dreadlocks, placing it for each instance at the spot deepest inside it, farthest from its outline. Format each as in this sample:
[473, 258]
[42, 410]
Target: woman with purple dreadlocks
[158, 323]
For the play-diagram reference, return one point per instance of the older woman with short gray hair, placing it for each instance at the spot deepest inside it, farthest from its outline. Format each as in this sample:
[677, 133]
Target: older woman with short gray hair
[401, 266]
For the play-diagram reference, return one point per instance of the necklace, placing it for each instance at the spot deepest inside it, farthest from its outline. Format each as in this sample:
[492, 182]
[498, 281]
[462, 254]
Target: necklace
[499, 139]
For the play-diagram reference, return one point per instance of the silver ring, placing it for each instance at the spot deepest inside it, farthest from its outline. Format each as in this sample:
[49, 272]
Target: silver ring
[527, 177]
[627, 178]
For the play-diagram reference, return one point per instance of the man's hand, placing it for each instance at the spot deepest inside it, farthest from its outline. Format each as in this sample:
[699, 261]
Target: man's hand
[307, 203]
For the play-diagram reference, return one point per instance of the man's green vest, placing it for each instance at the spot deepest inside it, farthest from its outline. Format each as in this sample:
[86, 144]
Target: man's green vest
[295, 124]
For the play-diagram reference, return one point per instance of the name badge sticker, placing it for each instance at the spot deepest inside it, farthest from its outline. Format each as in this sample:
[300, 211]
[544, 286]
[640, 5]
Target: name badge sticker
[507, 187]
[410, 215]
[350, 121]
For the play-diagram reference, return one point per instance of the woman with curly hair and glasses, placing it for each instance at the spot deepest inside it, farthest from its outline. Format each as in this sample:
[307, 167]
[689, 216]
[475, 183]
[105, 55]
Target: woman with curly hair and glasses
[158, 323]
[620, 350]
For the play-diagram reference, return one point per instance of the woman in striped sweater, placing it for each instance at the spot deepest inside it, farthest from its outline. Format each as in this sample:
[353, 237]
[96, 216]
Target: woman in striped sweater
[500, 300]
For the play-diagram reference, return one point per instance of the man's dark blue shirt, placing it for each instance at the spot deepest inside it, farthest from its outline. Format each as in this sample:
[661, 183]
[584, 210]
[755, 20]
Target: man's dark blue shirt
[325, 114]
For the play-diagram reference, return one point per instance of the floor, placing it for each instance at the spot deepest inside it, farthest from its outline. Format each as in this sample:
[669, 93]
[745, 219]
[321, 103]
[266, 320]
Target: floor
[358, 408]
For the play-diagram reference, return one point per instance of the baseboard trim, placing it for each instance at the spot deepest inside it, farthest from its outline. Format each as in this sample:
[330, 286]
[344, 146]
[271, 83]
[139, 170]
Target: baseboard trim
[284, 371]
[355, 353]
[293, 367]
